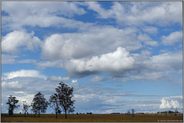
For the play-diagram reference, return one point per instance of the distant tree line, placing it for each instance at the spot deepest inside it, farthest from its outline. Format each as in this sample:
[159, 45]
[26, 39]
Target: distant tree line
[60, 101]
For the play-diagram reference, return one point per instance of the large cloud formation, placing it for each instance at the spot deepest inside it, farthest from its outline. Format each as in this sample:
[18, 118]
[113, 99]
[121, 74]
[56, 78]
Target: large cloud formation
[84, 44]
[116, 61]
[34, 16]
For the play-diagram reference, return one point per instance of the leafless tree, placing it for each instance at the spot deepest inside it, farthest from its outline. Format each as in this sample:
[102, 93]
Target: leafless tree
[25, 108]
[54, 103]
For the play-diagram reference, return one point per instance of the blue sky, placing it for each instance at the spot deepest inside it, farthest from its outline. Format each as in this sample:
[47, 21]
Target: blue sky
[116, 55]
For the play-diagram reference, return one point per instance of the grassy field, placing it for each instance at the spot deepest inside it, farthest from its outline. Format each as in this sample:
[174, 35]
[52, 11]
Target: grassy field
[94, 118]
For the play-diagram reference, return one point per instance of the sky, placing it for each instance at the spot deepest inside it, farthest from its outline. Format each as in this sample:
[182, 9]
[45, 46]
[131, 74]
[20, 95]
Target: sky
[117, 56]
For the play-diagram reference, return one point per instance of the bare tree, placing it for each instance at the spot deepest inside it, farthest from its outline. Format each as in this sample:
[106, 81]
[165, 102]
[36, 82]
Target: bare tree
[25, 108]
[54, 103]
[39, 104]
[64, 94]
[12, 101]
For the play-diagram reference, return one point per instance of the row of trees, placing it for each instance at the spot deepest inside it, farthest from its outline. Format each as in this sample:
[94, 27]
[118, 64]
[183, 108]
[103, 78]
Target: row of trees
[60, 101]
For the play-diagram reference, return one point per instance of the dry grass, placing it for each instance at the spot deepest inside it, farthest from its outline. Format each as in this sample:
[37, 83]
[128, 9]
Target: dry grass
[94, 118]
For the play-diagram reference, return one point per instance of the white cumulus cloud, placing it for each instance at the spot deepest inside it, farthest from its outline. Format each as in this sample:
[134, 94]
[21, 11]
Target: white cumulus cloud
[171, 102]
[172, 38]
[21, 14]
[166, 61]
[16, 40]
[119, 60]
[84, 44]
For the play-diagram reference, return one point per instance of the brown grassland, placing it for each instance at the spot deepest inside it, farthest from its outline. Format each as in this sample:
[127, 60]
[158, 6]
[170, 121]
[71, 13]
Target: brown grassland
[94, 118]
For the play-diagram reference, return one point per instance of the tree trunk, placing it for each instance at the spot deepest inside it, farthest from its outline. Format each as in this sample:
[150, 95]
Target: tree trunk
[56, 114]
[10, 112]
[65, 115]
